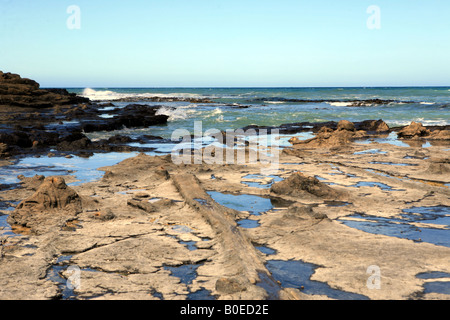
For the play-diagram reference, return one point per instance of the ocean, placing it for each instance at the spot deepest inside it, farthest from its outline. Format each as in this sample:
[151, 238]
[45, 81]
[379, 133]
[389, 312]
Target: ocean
[234, 108]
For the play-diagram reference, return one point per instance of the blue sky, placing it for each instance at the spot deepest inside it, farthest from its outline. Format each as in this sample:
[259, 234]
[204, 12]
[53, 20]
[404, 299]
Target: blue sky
[210, 43]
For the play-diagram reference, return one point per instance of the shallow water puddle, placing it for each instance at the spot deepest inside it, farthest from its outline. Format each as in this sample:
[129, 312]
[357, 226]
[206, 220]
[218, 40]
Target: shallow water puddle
[5, 228]
[266, 250]
[248, 223]
[83, 169]
[191, 245]
[267, 182]
[65, 285]
[297, 274]
[255, 205]
[390, 139]
[394, 164]
[404, 227]
[370, 151]
[440, 285]
[380, 185]
[187, 273]
[182, 229]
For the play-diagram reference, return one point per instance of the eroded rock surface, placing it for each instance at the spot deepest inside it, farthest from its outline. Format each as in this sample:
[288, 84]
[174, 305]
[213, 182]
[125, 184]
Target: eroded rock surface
[53, 203]
[137, 231]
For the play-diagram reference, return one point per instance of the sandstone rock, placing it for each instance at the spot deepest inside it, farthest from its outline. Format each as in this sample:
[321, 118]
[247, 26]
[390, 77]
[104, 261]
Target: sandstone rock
[53, 203]
[4, 150]
[326, 138]
[439, 135]
[299, 185]
[439, 166]
[143, 205]
[31, 182]
[304, 211]
[229, 286]
[104, 215]
[414, 130]
[373, 126]
[345, 125]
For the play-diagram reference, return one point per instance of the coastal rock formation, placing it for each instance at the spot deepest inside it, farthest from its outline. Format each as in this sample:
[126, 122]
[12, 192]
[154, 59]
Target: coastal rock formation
[373, 126]
[345, 125]
[64, 118]
[439, 166]
[414, 130]
[299, 185]
[132, 116]
[52, 204]
[4, 150]
[439, 135]
[327, 138]
[16, 91]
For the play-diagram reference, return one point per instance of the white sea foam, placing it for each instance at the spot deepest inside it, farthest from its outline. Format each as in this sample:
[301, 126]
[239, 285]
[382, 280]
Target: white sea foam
[108, 95]
[435, 122]
[339, 104]
[427, 103]
[217, 111]
[179, 113]
[274, 102]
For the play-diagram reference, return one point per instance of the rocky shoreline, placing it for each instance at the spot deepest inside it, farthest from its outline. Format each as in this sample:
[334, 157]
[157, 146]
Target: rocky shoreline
[151, 229]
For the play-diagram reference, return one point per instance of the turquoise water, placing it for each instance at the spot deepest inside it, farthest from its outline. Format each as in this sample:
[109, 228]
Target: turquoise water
[418, 94]
[234, 108]
[276, 106]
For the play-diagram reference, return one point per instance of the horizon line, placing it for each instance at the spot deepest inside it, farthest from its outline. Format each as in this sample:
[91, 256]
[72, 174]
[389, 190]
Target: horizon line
[244, 87]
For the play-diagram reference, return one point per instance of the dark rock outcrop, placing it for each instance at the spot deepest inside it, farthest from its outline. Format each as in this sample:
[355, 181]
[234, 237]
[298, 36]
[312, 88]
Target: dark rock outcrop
[16, 91]
[372, 126]
[132, 116]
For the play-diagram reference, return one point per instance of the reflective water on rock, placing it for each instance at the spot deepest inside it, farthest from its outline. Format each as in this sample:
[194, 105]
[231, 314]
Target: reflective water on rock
[297, 274]
[404, 227]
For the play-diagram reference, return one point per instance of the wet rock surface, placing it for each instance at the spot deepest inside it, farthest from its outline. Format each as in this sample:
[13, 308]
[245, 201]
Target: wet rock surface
[64, 119]
[16, 91]
[138, 232]
[150, 229]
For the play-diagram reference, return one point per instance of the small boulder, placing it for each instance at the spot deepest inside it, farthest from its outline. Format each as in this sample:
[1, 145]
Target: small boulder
[299, 185]
[373, 126]
[345, 125]
[414, 130]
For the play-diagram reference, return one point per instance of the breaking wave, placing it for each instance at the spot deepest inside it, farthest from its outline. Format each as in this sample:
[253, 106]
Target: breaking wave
[179, 113]
[108, 95]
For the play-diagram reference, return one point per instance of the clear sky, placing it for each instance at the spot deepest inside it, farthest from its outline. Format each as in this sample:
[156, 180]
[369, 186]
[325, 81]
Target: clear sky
[210, 43]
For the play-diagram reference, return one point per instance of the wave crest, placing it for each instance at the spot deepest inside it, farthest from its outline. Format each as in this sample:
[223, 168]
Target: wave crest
[108, 95]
